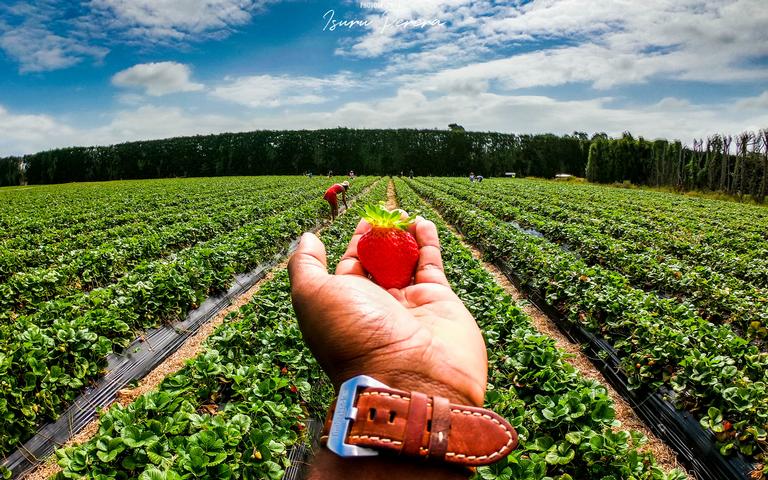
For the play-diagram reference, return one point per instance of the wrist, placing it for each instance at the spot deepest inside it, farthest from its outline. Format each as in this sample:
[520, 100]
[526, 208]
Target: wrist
[371, 418]
[326, 465]
[461, 391]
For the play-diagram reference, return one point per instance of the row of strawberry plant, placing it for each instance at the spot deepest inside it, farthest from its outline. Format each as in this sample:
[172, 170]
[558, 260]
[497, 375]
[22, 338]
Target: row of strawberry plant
[685, 233]
[65, 211]
[181, 431]
[116, 228]
[717, 375]
[50, 355]
[233, 411]
[692, 229]
[82, 270]
[567, 423]
[718, 298]
[707, 217]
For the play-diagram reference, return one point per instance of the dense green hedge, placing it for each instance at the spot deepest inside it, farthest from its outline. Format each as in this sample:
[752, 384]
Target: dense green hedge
[718, 166]
[10, 171]
[427, 152]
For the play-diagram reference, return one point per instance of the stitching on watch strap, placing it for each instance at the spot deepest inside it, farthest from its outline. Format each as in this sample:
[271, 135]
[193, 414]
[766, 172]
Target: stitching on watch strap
[415, 423]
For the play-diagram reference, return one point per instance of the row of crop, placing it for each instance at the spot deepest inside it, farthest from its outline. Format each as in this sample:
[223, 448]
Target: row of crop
[233, 411]
[566, 422]
[688, 233]
[117, 220]
[660, 341]
[82, 270]
[727, 236]
[50, 355]
[64, 211]
[264, 348]
[701, 216]
[54, 246]
[719, 298]
[67, 213]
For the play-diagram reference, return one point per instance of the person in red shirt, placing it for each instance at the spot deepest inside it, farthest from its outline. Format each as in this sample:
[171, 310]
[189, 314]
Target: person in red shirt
[330, 197]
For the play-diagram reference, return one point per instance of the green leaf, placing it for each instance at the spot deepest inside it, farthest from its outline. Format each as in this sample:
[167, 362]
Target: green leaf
[574, 437]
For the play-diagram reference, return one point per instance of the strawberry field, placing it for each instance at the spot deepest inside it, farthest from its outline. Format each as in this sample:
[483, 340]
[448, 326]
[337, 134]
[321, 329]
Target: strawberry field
[678, 287]
[86, 268]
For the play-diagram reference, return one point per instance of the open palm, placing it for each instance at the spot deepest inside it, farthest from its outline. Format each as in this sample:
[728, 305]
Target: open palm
[418, 338]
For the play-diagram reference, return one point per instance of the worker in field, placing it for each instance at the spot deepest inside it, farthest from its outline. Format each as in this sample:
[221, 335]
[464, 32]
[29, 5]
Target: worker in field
[331, 197]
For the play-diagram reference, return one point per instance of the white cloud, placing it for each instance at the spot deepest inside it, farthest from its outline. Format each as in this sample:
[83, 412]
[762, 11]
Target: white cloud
[157, 79]
[756, 103]
[45, 35]
[276, 91]
[24, 133]
[37, 49]
[669, 118]
[174, 20]
[152, 122]
[607, 43]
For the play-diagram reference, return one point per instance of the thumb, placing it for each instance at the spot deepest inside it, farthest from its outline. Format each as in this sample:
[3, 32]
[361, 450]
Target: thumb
[308, 268]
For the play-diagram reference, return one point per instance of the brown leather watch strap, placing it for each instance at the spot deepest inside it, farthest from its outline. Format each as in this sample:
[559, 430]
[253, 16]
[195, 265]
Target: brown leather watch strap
[418, 425]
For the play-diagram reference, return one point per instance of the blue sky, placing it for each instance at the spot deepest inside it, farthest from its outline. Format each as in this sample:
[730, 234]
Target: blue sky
[106, 71]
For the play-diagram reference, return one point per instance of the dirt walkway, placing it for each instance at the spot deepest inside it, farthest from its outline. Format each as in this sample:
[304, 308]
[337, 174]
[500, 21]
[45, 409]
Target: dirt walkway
[391, 197]
[624, 413]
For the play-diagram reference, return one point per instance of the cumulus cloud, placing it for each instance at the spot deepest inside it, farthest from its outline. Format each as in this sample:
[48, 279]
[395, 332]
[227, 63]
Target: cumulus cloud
[175, 20]
[759, 102]
[24, 133]
[160, 78]
[37, 49]
[28, 36]
[668, 118]
[45, 35]
[603, 44]
[276, 91]
[152, 122]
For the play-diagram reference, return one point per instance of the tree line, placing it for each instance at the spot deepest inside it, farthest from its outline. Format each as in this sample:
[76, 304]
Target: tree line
[736, 165]
[269, 152]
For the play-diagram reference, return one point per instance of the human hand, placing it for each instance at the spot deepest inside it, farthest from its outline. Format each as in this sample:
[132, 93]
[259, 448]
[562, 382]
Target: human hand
[419, 338]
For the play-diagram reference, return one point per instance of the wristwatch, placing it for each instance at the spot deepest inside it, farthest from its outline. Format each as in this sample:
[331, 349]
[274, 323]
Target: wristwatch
[370, 418]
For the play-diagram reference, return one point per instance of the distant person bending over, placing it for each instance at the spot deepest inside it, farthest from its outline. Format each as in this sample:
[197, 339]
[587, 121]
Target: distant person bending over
[331, 197]
[479, 178]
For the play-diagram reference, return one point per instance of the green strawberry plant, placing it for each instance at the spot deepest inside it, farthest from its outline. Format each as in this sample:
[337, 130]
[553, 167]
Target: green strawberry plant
[52, 353]
[235, 410]
[566, 423]
[659, 340]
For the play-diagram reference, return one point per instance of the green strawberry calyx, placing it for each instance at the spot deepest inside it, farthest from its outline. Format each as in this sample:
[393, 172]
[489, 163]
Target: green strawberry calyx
[379, 216]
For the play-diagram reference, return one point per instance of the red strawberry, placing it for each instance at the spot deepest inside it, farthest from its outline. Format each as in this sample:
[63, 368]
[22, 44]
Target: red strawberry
[388, 251]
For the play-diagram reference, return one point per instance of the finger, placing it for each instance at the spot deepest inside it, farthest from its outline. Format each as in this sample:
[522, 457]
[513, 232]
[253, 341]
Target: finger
[308, 266]
[349, 263]
[430, 266]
